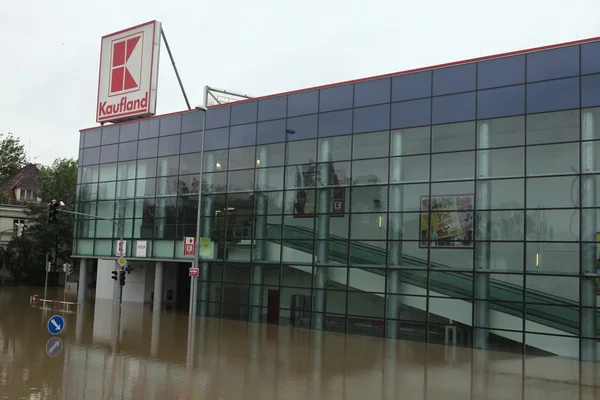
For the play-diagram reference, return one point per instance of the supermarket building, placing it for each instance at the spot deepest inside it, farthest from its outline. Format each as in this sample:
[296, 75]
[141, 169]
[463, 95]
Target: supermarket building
[454, 204]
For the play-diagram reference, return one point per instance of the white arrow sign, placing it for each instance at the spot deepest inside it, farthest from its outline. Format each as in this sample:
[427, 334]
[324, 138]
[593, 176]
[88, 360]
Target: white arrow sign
[57, 326]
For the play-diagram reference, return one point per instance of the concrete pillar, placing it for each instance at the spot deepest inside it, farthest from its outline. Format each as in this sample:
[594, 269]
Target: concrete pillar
[256, 291]
[322, 249]
[588, 240]
[482, 244]
[395, 237]
[82, 286]
[158, 286]
[207, 226]
[155, 335]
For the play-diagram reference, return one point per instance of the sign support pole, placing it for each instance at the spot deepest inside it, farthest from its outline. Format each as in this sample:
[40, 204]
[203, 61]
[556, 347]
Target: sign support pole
[187, 102]
[46, 283]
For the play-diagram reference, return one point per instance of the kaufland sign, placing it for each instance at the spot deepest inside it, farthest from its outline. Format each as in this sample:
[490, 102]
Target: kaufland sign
[128, 73]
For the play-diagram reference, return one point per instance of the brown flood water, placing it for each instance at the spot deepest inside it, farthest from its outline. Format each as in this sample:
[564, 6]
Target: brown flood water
[148, 356]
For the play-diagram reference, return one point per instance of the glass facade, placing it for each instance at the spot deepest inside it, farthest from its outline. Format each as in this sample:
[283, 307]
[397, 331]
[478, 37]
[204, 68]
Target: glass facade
[456, 205]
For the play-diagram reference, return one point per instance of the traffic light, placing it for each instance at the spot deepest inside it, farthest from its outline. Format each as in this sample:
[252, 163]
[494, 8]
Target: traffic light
[114, 275]
[129, 269]
[122, 278]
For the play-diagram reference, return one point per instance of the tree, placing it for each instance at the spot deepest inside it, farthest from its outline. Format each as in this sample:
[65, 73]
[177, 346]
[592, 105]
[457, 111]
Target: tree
[12, 156]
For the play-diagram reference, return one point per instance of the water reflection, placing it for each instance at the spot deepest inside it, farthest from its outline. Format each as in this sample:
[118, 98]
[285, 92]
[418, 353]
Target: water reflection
[161, 355]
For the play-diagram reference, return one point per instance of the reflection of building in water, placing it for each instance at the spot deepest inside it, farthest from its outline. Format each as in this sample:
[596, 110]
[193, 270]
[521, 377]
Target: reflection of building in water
[435, 205]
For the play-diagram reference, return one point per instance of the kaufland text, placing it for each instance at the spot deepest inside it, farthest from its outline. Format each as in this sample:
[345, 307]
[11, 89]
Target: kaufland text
[124, 106]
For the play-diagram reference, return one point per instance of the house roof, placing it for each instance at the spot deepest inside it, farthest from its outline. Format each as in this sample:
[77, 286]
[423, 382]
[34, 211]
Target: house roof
[26, 179]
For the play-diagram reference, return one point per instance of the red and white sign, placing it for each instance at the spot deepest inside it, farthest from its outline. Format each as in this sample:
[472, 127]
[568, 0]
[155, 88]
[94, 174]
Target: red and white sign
[189, 246]
[121, 248]
[128, 73]
[194, 271]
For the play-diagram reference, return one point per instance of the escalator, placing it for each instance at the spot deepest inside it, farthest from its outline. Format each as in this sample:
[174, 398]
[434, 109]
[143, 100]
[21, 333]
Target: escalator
[505, 298]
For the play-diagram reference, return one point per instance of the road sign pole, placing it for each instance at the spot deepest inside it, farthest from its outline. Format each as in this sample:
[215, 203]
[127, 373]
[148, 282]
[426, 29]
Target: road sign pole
[46, 283]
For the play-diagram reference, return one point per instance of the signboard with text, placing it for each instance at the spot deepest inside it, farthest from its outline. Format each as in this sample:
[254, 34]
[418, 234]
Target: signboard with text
[128, 73]
[446, 221]
[121, 248]
[189, 246]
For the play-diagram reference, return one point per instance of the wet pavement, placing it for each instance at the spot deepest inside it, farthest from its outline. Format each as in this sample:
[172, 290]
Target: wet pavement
[148, 355]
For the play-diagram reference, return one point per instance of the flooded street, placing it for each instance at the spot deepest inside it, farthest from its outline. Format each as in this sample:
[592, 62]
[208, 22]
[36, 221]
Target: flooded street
[148, 355]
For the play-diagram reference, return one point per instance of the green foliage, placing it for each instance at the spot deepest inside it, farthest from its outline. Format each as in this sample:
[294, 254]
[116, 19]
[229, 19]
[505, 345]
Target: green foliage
[12, 156]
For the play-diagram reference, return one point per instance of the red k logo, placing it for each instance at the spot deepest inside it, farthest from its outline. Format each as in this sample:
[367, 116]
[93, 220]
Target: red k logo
[126, 64]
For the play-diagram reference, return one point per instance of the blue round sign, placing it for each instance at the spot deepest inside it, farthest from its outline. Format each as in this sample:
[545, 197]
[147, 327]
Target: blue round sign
[56, 325]
[54, 346]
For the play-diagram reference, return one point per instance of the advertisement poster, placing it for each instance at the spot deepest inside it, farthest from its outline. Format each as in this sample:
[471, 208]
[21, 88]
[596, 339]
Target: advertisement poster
[451, 224]
[303, 203]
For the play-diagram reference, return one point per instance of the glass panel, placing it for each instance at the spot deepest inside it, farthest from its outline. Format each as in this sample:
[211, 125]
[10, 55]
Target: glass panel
[453, 137]
[216, 139]
[371, 145]
[409, 198]
[553, 192]
[168, 166]
[149, 128]
[92, 137]
[507, 194]
[561, 288]
[126, 170]
[217, 117]
[461, 166]
[91, 156]
[335, 123]
[145, 188]
[503, 163]
[368, 226]
[370, 119]
[214, 183]
[146, 168]
[562, 126]
[301, 152]
[108, 172]
[553, 258]
[240, 180]
[110, 134]
[191, 142]
[372, 92]
[410, 141]
[299, 202]
[192, 121]
[590, 91]
[553, 63]
[370, 172]
[415, 168]
[303, 103]
[88, 192]
[507, 225]
[275, 155]
[555, 95]
[244, 112]
[219, 160]
[553, 225]
[273, 179]
[168, 146]
[147, 148]
[553, 159]
[128, 151]
[271, 132]
[170, 125]
[460, 78]
[272, 108]
[365, 304]
[411, 113]
[189, 184]
[301, 128]
[340, 148]
[369, 199]
[242, 135]
[454, 108]
[90, 174]
[124, 209]
[189, 163]
[125, 189]
[502, 132]
[503, 71]
[336, 98]
[106, 191]
[108, 154]
[501, 102]
[411, 86]
[242, 158]
[168, 185]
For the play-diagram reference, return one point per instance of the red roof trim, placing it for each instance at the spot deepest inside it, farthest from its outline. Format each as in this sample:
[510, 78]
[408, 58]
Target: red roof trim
[450, 64]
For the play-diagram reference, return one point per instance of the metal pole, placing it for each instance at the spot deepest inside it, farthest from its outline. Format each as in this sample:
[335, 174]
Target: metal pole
[194, 294]
[162, 33]
[46, 284]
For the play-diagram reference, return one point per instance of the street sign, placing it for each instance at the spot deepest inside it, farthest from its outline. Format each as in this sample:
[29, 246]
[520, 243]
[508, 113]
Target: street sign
[54, 346]
[121, 248]
[56, 325]
[189, 246]
[121, 261]
[194, 271]
[205, 248]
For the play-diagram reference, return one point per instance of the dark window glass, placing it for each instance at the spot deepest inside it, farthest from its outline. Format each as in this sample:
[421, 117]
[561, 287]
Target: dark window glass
[242, 135]
[371, 145]
[191, 142]
[108, 154]
[149, 128]
[590, 91]
[168, 166]
[147, 148]
[243, 113]
[168, 146]
[214, 183]
[189, 164]
[561, 126]
[454, 108]
[372, 92]
[501, 102]
[216, 139]
[501, 72]
[336, 98]
[335, 123]
[553, 95]
[146, 168]
[192, 121]
[552, 64]
[128, 151]
[217, 117]
[340, 148]
[170, 125]
[271, 132]
[411, 86]
[590, 58]
[453, 137]
[110, 134]
[272, 108]
[301, 152]
[91, 156]
[411, 113]
[301, 128]
[242, 158]
[369, 119]
[167, 185]
[216, 160]
[81, 139]
[240, 180]
[92, 137]
[460, 78]
[129, 131]
[274, 154]
[303, 103]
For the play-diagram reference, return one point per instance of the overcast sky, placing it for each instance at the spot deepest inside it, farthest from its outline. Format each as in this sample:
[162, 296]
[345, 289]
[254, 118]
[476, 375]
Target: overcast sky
[50, 50]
